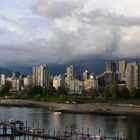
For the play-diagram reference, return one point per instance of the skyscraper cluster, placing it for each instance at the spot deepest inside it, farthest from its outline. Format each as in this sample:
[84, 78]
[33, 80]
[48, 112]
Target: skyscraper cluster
[127, 75]
[69, 80]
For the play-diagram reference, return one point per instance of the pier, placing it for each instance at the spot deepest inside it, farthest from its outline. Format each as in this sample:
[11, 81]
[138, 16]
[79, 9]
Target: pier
[16, 128]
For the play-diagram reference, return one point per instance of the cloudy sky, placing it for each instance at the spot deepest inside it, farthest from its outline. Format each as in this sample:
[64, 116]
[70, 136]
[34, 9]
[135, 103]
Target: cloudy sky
[65, 31]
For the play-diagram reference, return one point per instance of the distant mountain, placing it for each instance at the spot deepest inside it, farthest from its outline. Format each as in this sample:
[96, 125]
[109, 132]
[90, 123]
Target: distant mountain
[22, 70]
[5, 71]
[95, 67]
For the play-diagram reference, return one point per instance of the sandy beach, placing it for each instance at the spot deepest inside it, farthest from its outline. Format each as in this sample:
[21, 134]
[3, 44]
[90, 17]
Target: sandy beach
[106, 109]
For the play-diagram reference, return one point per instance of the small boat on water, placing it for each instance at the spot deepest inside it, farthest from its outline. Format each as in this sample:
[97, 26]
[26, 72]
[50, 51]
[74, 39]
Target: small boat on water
[12, 120]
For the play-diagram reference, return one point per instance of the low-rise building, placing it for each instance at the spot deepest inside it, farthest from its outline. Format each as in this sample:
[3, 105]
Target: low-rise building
[58, 81]
[74, 86]
[17, 84]
[27, 81]
[91, 83]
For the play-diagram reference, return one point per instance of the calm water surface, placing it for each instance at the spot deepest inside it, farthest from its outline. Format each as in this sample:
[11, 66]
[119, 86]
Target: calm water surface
[128, 126]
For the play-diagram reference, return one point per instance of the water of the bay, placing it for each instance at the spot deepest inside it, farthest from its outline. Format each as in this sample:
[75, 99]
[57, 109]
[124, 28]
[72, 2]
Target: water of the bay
[126, 126]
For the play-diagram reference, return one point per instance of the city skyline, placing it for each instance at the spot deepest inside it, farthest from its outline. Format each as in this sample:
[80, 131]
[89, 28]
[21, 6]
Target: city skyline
[127, 76]
[64, 32]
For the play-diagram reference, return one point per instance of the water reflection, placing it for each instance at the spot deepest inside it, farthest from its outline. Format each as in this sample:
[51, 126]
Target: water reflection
[111, 125]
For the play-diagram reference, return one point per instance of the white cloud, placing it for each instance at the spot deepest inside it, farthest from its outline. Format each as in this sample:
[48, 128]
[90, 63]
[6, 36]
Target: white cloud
[9, 25]
[62, 31]
[120, 7]
[129, 43]
[93, 29]
[57, 8]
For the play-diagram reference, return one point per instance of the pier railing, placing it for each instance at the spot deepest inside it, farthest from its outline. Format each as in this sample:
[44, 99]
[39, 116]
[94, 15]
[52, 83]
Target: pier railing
[14, 128]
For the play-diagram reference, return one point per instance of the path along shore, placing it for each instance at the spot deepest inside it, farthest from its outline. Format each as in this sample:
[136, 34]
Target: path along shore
[105, 109]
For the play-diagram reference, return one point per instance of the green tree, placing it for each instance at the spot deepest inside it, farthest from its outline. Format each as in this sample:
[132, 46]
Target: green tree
[49, 90]
[101, 81]
[61, 91]
[124, 93]
[5, 89]
[27, 90]
[84, 92]
[92, 92]
[106, 93]
[114, 91]
[89, 92]
[63, 98]
[134, 93]
[36, 90]
[138, 94]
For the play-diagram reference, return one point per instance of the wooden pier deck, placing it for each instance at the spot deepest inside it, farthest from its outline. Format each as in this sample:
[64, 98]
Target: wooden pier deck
[14, 128]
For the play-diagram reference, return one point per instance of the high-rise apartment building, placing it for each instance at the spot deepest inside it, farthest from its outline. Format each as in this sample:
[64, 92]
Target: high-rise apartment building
[86, 75]
[15, 74]
[110, 66]
[71, 72]
[133, 75]
[41, 75]
[122, 68]
[2, 79]
[110, 77]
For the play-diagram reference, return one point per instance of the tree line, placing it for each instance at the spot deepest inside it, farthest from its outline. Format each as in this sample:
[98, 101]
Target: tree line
[33, 90]
[113, 91]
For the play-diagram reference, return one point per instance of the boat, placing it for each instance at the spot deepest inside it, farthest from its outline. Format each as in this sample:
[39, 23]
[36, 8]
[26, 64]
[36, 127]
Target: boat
[12, 120]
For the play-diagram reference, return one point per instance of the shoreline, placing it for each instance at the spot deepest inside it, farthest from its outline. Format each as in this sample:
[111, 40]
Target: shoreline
[94, 108]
